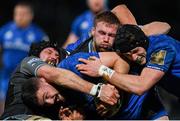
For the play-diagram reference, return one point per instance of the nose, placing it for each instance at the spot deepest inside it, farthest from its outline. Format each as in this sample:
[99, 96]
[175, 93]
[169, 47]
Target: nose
[50, 101]
[106, 39]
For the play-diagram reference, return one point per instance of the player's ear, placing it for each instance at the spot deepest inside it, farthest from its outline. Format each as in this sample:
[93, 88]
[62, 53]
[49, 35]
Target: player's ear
[93, 31]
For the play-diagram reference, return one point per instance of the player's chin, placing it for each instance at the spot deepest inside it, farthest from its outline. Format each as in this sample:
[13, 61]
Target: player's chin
[143, 61]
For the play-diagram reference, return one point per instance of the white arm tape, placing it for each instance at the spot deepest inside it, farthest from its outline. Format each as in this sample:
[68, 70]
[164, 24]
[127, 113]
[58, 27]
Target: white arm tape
[105, 72]
[94, 90]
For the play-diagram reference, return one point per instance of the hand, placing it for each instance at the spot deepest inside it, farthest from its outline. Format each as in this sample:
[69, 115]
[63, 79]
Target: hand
[67, 114]
[90, 66]
[109, 94]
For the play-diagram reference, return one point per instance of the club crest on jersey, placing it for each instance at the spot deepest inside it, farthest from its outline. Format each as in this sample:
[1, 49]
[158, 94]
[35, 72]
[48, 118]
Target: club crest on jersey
[158, 57]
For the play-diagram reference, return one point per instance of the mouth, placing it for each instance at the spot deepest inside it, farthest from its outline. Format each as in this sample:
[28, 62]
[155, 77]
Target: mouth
[140, 59]
[51, 62]
[105, 46]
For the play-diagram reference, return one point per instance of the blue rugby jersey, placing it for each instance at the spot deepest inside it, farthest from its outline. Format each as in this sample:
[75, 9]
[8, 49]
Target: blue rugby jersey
[131, 109]
[164, 54]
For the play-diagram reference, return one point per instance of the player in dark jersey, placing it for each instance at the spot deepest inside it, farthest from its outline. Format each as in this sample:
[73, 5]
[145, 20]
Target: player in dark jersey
[34, 66]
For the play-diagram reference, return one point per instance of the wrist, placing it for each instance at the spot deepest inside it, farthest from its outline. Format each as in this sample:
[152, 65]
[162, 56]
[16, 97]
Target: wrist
[96, 89]
[105, 72]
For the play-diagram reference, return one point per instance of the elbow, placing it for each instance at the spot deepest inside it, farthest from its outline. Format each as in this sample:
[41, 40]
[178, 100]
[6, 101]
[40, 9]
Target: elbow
[140, 90]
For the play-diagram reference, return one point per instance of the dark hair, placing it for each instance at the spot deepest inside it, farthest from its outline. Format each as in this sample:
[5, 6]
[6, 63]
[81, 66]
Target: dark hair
[129, 37]
[106, 16]
[29, 90]
[36, 48]
[26, 4]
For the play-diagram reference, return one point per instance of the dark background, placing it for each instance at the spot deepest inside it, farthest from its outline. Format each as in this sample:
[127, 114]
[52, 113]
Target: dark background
[55, 16]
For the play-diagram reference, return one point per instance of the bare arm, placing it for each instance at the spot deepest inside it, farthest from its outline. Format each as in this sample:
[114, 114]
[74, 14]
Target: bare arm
[64, 78]
[137, 84]
[124, 14]
[71, 39]
[127, 82]
[68, 79]
[126, 17]
[155, 28]
[109, 59]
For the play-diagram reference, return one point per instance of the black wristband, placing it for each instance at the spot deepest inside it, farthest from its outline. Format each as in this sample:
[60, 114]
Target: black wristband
[98, 89]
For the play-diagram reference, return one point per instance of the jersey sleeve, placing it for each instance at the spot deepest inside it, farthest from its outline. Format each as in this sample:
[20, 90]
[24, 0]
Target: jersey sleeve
[161, 58]
[30, 65]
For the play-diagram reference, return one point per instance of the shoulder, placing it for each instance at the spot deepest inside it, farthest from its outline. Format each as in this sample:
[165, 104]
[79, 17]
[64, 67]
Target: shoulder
[162, 42]
[82, 16]
[8, 25]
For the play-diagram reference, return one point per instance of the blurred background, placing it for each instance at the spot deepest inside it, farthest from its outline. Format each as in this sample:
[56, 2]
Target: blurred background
[55, 18]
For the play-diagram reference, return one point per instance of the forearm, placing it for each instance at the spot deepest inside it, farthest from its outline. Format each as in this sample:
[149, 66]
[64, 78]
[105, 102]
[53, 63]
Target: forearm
[129, 83]
[70, 80]
[137, 84]
[67, 79]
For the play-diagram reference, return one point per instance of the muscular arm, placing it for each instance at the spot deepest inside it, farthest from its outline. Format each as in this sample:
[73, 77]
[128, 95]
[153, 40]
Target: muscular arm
[64, 78]
[137, 84]
[124, 14]
[155, 28]
[112, 60]
[109, 59]
[32, 66]
[127, 82]
[70, 80]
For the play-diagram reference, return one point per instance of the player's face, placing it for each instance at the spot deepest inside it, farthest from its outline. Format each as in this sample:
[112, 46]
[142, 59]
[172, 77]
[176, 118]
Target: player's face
[104, 35]
[47, 95]
[22, 16]
[138, 55]
[96, 5]
[50, 55]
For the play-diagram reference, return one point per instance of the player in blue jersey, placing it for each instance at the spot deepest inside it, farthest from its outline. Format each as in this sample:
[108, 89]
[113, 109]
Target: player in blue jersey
[133, 109]
[161, 58]
[133, 105]
[83, 24]
[15, 39]
[125, 17]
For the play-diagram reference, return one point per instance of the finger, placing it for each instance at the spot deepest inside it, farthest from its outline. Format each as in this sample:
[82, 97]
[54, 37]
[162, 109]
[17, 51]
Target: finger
[92, 58]
[83, 60]
[84, 72]
[80, 67]
[117, 95]
[111, 86]
[110, 102]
